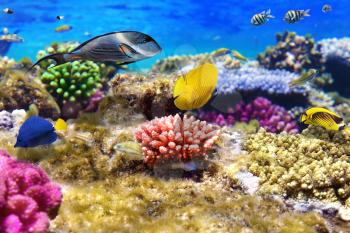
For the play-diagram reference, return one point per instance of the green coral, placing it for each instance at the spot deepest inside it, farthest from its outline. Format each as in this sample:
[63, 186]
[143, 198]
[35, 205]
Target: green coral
[75, 81]
[141, 203]
[314, 164]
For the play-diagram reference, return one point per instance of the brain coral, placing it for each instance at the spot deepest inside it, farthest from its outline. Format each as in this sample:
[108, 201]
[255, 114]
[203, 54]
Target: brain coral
[314, 164]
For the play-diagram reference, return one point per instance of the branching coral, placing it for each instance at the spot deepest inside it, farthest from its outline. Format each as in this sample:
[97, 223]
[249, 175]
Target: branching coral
[293, 53]
[141, 203]
[27, 197]
[273, 118]
[257, 79]
[173, 137]
[314, 164]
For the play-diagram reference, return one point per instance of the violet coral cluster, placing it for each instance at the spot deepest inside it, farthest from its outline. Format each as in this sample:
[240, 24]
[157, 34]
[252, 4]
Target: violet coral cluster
[27, 197]
[273, 118]
[173, 137]
[249, 78]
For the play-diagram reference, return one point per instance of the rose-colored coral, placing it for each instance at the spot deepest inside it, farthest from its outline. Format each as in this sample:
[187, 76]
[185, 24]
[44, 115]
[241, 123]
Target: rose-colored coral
[272, 117]
[173, 137]
[27, 197]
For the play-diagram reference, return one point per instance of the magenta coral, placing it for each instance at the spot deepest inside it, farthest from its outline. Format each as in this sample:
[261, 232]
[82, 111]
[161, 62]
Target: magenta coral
[272, 117]
[27, 197]
[173, 137]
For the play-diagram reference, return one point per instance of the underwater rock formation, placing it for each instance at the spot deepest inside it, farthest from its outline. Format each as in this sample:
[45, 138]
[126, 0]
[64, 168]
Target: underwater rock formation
[27, 197]
[173, 137]
[311, 165]
[336, 52]
[272, 117]
[293, 53]
[149, 95]
[18, 91]
[142, 203]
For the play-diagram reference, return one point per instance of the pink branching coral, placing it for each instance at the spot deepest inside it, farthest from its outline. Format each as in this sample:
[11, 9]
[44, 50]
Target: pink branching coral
[27, 197]
[172, 137]
[272, 117]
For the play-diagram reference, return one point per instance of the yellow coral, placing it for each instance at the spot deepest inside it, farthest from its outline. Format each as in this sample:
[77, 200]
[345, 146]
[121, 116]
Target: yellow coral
[314, 164]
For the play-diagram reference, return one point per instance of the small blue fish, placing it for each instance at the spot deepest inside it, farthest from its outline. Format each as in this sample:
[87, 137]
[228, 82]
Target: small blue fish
[37, 131]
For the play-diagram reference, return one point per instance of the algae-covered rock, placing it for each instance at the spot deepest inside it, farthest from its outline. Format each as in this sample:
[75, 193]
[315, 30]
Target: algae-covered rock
[149, 95]
[141, 203]
[18, 91]
[311, 165]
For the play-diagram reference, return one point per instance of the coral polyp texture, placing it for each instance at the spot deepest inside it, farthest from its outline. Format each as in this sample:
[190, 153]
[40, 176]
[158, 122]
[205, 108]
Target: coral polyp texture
[5, 64]
[311, 165]
[76, 81]
[292, 52]
[272, 117]
[173, 137]
[249, 78]
[27, 197]
[335, 49]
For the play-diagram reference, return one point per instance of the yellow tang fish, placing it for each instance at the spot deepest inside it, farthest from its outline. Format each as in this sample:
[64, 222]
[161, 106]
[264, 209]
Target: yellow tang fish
[239, 56]
[319, 116]
[194, 90]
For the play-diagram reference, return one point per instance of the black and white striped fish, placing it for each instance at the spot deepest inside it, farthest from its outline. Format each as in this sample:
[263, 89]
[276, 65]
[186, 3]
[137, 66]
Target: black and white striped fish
[293, 16]
[261, 18]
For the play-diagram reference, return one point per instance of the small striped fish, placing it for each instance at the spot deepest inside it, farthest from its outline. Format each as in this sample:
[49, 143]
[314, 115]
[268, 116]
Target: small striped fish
[261, 18]
[293, 16]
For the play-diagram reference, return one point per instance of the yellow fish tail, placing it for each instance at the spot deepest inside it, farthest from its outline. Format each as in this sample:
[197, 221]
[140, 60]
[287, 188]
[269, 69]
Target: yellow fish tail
[61, 125]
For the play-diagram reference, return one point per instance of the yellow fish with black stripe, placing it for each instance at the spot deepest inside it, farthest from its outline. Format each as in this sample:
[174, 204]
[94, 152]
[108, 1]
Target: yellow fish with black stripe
[323, 117]
[194, 90]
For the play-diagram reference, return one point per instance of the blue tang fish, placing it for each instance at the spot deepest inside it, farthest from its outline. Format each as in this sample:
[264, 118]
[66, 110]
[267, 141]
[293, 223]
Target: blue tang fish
[37, 131]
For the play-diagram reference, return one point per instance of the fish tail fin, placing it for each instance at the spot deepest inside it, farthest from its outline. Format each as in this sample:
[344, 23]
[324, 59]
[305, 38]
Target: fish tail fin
[268, 14]
[306, 12]
[59, 58]
[61, 125]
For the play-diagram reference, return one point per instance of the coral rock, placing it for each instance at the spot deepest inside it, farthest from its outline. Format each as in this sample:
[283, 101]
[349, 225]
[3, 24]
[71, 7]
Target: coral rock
[174, 138]
[27, 197]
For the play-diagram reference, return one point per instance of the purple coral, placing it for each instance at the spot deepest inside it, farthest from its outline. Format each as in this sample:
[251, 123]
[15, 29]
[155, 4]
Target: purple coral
[249, 78]
[272, 117]
[94, 101]
[27, 197]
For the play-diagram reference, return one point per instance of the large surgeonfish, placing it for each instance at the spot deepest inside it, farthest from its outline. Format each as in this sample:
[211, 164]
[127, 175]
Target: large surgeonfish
[122, 47]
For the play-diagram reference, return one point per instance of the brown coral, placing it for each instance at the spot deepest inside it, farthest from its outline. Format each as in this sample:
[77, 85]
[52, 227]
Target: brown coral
[314, 164]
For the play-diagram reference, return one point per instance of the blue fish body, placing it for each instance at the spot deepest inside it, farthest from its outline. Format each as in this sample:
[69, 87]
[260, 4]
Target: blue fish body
[36, 131]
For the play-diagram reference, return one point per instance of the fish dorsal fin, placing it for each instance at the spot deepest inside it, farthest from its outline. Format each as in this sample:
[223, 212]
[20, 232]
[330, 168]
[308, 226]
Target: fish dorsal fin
[35, 126]
[96, 37]
[61, 125]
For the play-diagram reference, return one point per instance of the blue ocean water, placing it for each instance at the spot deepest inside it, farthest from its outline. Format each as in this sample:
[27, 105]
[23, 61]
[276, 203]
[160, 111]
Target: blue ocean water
[180, 27]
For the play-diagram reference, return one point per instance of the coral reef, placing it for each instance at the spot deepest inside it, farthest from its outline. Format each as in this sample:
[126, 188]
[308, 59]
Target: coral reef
[5, 64]
[272, 117]
[173, 137]
[149, 95]
[257, 79]
[94, 101]
[336, 52]
[176, 63]
[141, 203]
[293, 53]
[73, 81]
[18, 91]
[311, 165]
[27, 197]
